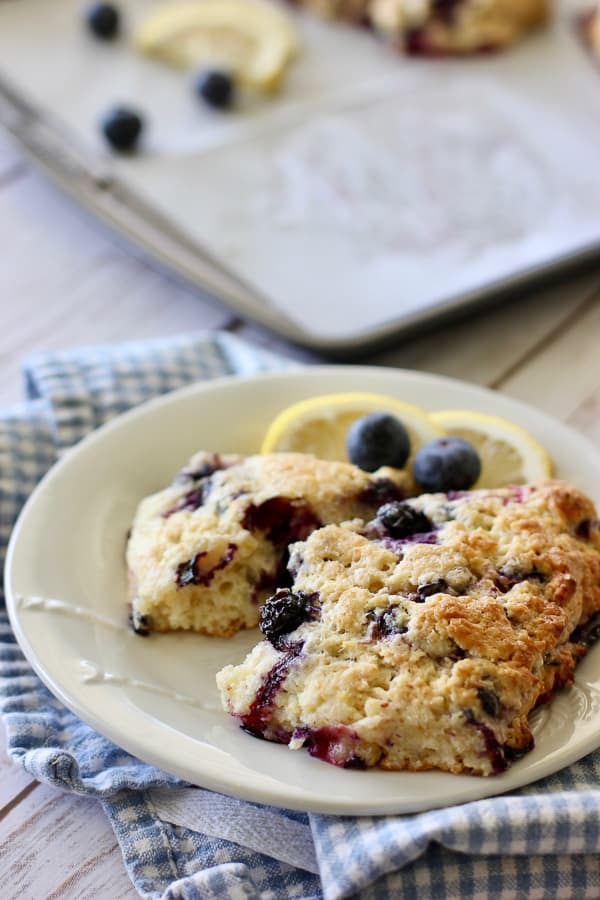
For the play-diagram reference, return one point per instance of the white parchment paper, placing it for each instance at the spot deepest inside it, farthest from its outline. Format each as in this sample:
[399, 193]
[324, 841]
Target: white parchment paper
[373, 187]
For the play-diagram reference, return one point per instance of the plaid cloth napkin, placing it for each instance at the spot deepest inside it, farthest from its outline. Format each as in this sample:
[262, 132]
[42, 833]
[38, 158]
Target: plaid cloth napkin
[184, 842]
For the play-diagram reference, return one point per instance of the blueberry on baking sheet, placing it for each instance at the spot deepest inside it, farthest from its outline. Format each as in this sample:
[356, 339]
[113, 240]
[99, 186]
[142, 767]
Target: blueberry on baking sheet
[376, 440]
[215, 88]
[122, 128]
[446, 464]
[103, 20]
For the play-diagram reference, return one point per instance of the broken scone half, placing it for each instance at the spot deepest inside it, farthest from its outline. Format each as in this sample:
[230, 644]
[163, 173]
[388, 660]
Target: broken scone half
[205, 552]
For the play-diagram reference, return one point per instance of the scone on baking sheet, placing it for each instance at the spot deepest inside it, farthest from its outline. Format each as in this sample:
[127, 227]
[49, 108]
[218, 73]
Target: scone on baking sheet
[343, 10]
[590, 25]
[203, 553]
[456, 26]
[424, 639]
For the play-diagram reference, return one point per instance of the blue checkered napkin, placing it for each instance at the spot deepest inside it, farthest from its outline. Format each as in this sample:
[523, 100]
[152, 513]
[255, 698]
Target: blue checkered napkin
[184, 842]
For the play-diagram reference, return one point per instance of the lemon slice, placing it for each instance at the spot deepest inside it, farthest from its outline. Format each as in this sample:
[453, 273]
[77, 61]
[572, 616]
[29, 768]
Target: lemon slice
[250, 38]
[319, 425]
[508, 453]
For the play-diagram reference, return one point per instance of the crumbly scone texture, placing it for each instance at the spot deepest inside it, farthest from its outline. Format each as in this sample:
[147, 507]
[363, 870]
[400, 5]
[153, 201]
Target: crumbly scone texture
[203, 553]
[456, 26]
[429, 650]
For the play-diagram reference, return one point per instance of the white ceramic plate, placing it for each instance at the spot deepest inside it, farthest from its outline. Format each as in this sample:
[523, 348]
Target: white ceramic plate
[156, 697]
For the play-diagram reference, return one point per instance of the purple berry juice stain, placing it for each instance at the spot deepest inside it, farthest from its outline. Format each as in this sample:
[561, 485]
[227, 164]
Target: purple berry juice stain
[256, 720]
[191, 573]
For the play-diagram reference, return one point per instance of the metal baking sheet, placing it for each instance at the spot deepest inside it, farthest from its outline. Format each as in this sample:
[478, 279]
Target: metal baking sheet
[374, 194]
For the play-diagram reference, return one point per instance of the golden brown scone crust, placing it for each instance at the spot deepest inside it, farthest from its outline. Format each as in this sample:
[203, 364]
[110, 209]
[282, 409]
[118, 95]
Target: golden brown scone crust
[204, 552]
[429, 650]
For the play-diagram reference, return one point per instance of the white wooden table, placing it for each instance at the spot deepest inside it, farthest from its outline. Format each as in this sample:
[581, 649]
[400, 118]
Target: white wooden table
[64, 282]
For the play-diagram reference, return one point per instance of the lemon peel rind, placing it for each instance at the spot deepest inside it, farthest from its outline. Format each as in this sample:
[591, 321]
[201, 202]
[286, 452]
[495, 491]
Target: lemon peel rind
[273, 36]
[362, 402]
[498, 428]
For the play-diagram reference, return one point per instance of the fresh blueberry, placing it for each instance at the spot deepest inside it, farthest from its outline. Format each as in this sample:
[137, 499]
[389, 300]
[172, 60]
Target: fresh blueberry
[103, 20]
[377, 440]
[215, 88]
[122, 128]
[446, 464]
[284, 612]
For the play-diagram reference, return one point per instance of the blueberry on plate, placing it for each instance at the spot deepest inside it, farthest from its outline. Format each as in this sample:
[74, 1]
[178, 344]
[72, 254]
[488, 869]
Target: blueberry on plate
[215, 87]
[103, 20]
[377, 440]
[446, 464]
[122, 128]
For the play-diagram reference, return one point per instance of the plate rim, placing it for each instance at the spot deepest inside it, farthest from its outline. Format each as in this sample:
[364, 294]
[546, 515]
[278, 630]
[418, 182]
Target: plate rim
[273, 795]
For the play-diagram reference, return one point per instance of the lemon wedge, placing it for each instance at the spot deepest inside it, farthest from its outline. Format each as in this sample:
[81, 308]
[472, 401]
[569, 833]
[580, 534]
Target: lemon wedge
[319, 425]
[249, 38]
[508, 453]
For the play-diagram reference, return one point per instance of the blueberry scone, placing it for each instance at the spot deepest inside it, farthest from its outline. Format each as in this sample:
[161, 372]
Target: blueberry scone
[591, 30]
[206, 551]
[424, 638]
[456, 26]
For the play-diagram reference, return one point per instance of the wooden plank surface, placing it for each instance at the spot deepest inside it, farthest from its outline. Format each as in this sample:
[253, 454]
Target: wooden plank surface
[64, 282]
[15, 784]
[490, 344]
[565, 371]
[73, 284]
[56, 846]
[12, 165]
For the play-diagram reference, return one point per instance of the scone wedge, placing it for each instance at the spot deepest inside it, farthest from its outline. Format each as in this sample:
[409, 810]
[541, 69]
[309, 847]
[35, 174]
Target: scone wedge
[424, 638]
[431, 27]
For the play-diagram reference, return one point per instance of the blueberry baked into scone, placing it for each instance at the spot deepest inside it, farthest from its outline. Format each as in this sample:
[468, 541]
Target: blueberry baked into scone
[203, 553]
[423, 638]
[456, 26]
